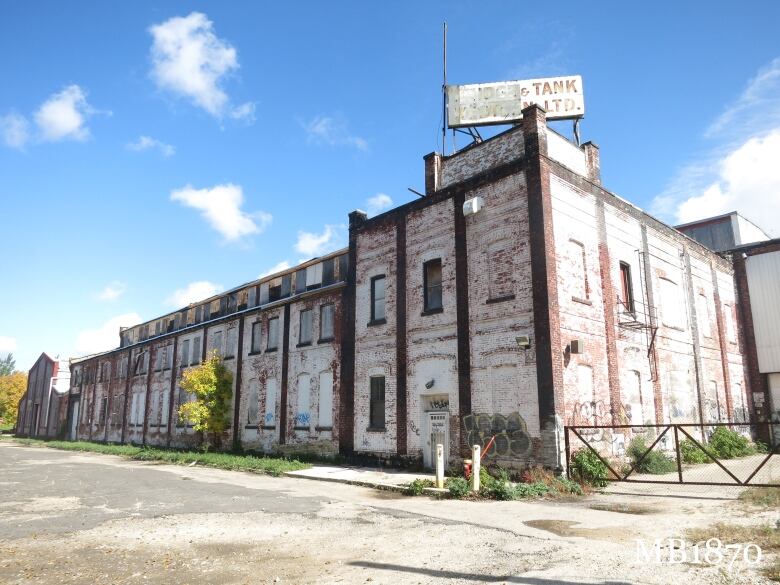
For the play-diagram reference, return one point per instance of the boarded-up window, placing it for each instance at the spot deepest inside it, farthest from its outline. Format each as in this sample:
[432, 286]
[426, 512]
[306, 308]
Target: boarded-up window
[269, 418]
[500, 270]
[314, 276]
[185, 352]
[257, 328]
[680, 397]
[728, 317]
[632, 398]
[703, 315]
[672, 306]
[252, 405]
[585, 393]
[325, 414]
[327, 313]
[216, 342]
[305, 328]
[164, 403]
[303, 414]
[117, 409]
[273, 333]
[195, 351]
[103, 411]
[712, 403]
[738, 399]
[578, 281]
[154, 411]
[230, 342]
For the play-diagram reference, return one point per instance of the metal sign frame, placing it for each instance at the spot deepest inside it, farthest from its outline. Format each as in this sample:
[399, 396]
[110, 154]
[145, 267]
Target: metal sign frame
[486, 104]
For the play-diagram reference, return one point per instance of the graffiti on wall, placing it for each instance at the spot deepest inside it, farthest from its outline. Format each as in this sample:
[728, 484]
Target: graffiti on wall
[598, 412]
[510, 431]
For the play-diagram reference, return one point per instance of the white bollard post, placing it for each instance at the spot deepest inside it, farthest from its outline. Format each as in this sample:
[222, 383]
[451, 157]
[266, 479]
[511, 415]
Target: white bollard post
[440, 466]
[475, 464]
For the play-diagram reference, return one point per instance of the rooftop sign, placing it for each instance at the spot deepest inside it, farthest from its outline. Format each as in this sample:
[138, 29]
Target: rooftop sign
[502, 102]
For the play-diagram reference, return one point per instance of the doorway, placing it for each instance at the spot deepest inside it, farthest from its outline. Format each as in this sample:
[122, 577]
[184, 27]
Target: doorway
[437, 431]
[74, 420]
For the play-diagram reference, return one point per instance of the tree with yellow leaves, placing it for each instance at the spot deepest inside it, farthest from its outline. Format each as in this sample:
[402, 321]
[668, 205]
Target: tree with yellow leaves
[12, 387]
[212, 384]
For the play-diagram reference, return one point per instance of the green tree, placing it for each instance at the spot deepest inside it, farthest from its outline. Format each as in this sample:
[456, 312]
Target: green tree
[12, 387]
[7, 365]
[212, 384]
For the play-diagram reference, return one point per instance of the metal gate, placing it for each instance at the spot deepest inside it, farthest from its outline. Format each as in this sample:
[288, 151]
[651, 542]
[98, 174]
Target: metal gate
[691, 454]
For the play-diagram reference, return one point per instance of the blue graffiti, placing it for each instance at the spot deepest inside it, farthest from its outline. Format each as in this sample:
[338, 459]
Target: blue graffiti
[269, 418]
[302, 419]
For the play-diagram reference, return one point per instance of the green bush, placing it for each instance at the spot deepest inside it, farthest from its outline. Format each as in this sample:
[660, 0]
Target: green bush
[458, 487]
[654, 462]
[728, 444]
[531, 490]
[587, 468]
[692, 453]
[760, 447]
[416, 487]
[563, 485]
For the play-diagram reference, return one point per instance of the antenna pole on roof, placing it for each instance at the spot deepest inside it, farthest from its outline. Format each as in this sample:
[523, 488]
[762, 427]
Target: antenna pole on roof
[444, 95]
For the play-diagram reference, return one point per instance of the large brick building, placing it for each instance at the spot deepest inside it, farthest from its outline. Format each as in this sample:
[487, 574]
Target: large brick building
[552, 302]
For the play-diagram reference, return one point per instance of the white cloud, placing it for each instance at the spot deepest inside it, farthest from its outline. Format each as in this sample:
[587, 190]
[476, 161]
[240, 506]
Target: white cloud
[312, 245]
[14, 130]
[221, 207]
[748, 181]
[106, 336]
[283, 265]
[193, 292]
[245, 112]
[7, 344]
[188, 59]
[378, 203]
[147, 143]
[756, 108]
[740, 173]
[63, 116]
[112, 291]
[332, 131]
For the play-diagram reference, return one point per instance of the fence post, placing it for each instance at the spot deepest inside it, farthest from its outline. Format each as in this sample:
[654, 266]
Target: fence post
[566, 447]
[439, 466]
[677, 451]
[475, 465]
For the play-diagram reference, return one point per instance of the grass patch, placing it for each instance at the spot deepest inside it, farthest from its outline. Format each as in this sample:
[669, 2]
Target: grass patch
[762, 497]
[274, 466]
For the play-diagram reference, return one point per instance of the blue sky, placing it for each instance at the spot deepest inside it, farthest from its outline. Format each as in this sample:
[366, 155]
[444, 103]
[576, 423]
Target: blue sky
[152, 152]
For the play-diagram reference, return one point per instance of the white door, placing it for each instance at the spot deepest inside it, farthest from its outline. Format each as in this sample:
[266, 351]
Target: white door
[437, 432]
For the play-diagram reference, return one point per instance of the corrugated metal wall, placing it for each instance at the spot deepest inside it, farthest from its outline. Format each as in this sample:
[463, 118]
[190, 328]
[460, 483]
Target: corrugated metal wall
[763, 273]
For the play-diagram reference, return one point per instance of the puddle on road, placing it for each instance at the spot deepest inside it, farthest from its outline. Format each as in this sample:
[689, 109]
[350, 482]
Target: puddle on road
[572, 528]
